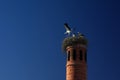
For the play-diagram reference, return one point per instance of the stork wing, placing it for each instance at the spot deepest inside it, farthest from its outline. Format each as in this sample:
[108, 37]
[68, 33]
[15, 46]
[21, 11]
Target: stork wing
[67, 27]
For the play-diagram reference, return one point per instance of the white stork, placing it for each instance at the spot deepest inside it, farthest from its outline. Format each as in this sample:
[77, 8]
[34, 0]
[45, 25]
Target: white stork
[68, 29]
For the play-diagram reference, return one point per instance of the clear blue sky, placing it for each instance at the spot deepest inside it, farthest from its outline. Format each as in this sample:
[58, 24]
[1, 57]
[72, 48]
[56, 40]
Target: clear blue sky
[31, 34]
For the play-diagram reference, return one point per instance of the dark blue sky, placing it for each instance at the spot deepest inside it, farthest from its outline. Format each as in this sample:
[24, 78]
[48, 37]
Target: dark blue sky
[31, 34]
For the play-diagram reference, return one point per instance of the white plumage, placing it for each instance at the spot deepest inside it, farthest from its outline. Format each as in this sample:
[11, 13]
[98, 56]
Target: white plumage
[68, 29]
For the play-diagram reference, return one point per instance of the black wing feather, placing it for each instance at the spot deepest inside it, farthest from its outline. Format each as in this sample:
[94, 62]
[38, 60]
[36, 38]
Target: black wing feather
[66, 26]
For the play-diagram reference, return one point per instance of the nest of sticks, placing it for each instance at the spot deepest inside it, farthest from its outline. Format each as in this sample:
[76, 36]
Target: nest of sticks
[72, 41]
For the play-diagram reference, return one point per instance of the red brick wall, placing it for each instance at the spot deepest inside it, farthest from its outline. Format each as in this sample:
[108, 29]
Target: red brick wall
[76, 69]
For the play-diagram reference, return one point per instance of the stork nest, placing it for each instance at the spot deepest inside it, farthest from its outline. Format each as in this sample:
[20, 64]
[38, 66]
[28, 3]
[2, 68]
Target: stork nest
[72, 41]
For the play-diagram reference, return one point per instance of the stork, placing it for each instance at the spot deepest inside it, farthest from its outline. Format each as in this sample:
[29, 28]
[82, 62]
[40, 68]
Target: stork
[68, 29]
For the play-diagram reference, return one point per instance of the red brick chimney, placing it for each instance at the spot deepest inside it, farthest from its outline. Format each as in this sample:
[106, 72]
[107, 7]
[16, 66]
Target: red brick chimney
[76, 65]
